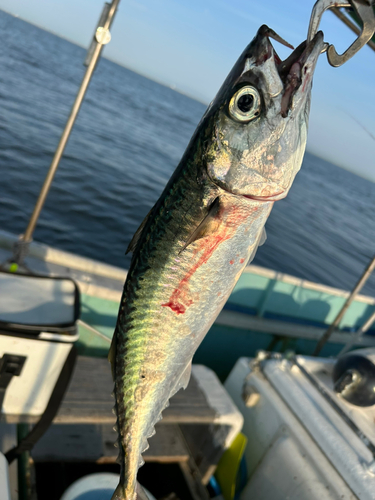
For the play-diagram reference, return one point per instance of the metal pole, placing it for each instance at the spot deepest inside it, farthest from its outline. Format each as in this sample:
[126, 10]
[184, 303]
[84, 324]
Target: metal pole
[358, 334]
[102, 37]
[345, 307]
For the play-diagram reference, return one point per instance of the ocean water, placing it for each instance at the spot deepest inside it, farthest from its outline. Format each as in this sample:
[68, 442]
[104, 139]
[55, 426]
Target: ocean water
[129, 136]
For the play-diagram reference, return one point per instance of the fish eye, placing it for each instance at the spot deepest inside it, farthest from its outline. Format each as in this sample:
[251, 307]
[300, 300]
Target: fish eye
[245, 104]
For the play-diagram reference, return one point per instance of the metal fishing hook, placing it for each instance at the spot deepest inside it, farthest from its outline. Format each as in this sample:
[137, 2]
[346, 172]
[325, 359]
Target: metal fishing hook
[364, 11]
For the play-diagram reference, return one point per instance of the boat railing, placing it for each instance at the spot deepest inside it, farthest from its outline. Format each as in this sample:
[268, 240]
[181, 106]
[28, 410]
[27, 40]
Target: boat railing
[102, 36]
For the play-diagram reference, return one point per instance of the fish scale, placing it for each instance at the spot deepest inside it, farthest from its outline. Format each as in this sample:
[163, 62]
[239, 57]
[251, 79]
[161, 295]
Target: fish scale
[206, 226]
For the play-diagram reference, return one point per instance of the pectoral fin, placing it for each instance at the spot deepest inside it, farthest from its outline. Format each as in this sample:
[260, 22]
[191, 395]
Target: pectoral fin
[260, 242]
[208, 225]
[263, 237]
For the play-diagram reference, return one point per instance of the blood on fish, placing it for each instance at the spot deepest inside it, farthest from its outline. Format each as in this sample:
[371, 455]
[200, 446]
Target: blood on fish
[175, 306]
[231, 262]
[179, 301]
[242, 261]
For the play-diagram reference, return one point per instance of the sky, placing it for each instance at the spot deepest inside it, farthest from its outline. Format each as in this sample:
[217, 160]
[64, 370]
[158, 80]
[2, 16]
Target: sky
[191, 46]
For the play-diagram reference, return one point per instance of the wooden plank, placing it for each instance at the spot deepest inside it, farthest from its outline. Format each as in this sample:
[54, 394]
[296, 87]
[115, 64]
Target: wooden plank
[88, 398]
[95, 443]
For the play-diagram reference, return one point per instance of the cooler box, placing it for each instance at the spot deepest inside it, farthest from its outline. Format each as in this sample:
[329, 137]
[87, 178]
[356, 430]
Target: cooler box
[37, 330]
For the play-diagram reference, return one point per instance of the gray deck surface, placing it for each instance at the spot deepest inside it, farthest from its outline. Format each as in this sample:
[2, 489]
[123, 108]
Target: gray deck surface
[88, 399]
[190, 433]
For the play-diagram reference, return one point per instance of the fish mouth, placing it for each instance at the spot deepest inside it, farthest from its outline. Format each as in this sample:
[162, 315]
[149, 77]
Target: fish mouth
[297, 70]
[299, 56]
[274, 197]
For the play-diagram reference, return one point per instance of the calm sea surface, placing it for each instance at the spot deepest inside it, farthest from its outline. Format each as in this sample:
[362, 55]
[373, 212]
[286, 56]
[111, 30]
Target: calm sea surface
[129, 137]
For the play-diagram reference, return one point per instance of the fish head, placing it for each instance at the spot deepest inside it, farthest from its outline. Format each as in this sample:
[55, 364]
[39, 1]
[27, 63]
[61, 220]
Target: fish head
[256, 127]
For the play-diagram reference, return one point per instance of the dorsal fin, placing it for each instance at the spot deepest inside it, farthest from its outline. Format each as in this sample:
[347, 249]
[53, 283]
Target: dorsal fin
[112, 355]
[208, 225]
[134, 241]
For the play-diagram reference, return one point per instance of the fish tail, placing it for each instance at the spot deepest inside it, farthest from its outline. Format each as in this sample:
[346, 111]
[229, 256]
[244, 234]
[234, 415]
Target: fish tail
[120, 493]
[141, 494]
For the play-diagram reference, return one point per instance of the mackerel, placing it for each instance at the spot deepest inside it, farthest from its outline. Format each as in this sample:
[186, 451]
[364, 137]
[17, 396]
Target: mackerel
[206, 226]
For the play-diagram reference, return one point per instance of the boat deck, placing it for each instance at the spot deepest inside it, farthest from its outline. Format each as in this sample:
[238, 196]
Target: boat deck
[197, 426]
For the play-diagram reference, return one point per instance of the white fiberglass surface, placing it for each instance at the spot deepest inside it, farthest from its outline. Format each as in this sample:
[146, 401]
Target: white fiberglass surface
[36, 301]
